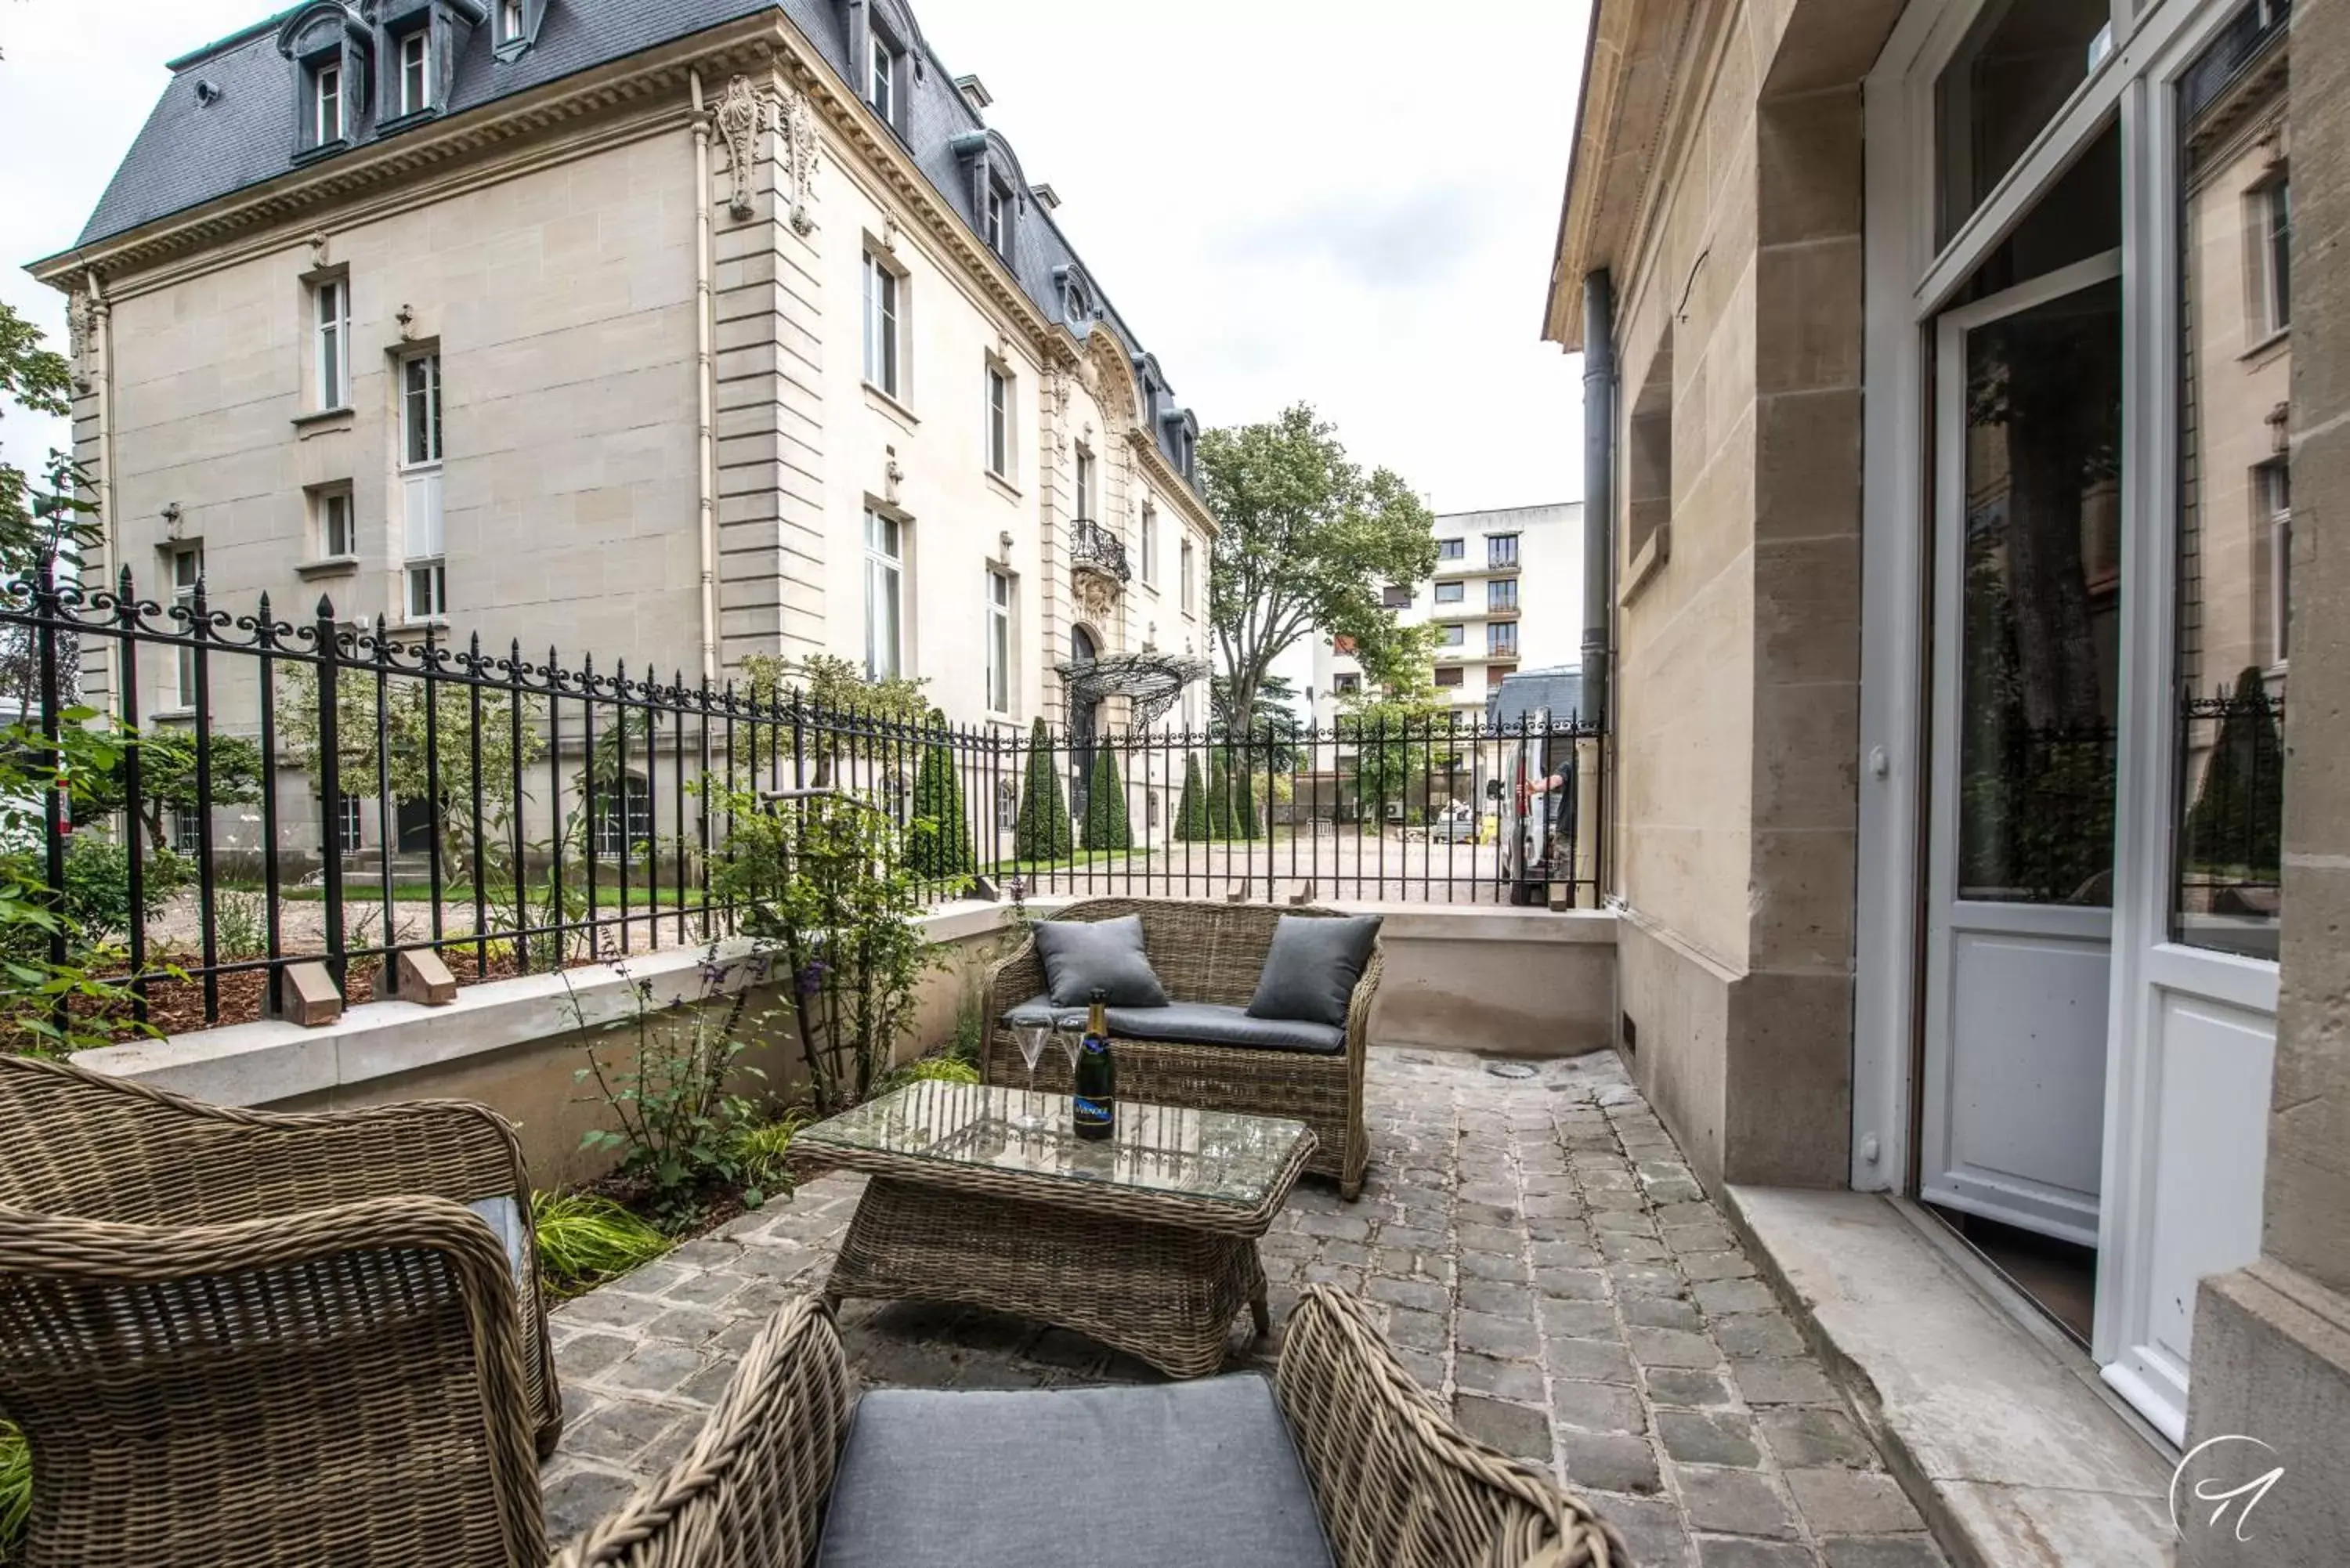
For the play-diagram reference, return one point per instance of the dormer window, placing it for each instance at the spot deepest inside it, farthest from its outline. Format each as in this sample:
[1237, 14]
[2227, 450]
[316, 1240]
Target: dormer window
[326, 104]
[881, 89]
[416, 72]
[995, 221]
[511, 23]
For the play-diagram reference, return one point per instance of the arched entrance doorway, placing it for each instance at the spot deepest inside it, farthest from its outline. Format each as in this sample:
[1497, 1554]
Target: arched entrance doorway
[1085, 717]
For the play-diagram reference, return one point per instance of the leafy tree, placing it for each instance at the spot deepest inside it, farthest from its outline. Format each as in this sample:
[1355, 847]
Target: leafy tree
[1105, 818]
[41, 516]
[1191, 814]
[940, 841]
[410, 774]
[1395, 740]
[167, 779]
[1273, 726]
[839, 687]
[1306, 540]
[1042, 831]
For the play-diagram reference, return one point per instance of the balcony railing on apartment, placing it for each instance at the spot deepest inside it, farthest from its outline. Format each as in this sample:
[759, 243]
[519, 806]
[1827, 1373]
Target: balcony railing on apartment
[1091, 544]
[360, 792]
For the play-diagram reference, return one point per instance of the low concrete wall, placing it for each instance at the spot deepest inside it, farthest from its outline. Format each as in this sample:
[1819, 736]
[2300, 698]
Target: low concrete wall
[1498, 980]
[516, 1044]
[1501, 980]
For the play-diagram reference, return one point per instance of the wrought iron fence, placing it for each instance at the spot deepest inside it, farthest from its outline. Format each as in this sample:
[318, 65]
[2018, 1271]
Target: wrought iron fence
[347, 792]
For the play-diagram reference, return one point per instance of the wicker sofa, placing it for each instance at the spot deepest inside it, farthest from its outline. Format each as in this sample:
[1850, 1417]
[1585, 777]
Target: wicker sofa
[1211, 953]
[80, 1146]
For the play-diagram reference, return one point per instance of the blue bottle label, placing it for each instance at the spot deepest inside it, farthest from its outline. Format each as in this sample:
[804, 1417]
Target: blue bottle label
[1090, 1112]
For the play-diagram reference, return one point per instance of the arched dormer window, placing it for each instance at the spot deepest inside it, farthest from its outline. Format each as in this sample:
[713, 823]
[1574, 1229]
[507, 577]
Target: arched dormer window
[886, 56]
[1079, 304]
[419, 42]
[995, 190]
[329, 44]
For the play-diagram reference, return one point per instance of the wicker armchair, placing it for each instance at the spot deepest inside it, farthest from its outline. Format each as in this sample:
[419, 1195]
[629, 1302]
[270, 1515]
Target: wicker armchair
[80, 1145]
[1395, 1484]
[1210, 953]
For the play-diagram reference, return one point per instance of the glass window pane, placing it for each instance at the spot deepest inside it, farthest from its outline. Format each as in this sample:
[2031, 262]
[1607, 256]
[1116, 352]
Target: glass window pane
[2014, 71]
[2039, 642]
[2235, 493]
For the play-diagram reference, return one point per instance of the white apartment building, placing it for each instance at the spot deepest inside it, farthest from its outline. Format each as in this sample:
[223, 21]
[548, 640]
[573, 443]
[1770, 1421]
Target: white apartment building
[671, 334]
[1503, 595]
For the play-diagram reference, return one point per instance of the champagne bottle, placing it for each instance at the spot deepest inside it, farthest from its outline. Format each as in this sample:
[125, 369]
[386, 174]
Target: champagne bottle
[1093, 1108]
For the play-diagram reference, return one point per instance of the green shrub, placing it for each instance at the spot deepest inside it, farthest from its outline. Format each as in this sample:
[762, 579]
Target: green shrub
[1191, 815]
[764, 1149]
[940, 841]
[583, 1240]
[938, 1069]
[1042, 832]
[1105, 821]
[15, 1487]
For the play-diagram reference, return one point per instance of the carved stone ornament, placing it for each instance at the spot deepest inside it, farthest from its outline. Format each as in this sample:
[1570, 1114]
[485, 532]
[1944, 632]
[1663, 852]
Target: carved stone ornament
[319, 259]
[889, 232]
[740, 114]
[891, 477]
[1061, 390]
[798, 120]
[78, 326]
[1097, 599]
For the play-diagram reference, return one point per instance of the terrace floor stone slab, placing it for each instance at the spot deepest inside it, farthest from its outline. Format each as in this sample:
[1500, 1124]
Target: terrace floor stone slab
[1507, 1241]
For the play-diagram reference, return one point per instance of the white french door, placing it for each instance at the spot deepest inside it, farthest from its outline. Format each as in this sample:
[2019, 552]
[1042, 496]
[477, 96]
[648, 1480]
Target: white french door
[2019, 918]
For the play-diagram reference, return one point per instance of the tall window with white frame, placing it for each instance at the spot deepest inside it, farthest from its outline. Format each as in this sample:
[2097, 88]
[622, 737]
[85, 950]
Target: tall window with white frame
[187, 575]
[426, 569]
[999, 421]
[327, 103]
[884, 586]
[1085, 495]
[2275, 490]
[881, 317]
[337, 536]
[999, 642]
[882, 78]
[995, 219]
[331, 301]
[1183, 577]
[416, 71]
[1149, 543]
[2271, 229]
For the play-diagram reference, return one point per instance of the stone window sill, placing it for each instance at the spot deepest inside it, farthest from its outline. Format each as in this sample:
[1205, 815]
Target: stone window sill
[344, 415]
[328, 566]
[1647, 562]
[883, 402]
[1002, 485]
[2263, 347]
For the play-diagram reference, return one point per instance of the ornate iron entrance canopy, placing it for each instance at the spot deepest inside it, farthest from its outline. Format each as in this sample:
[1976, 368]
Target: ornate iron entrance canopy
[1151, 681]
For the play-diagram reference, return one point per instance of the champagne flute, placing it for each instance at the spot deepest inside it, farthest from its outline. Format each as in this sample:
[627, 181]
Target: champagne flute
[1070, 1032]
[1032, 1046]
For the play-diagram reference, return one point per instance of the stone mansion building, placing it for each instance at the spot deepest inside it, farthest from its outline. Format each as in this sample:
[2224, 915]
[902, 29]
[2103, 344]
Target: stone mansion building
[676, 333]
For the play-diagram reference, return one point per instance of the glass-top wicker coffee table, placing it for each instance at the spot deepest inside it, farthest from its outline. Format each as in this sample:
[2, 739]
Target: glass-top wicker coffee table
[1146, 1241]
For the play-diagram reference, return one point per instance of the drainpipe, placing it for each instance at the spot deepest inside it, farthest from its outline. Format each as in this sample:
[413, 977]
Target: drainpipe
[1598, 577]
[1598, 487]
[705, 370]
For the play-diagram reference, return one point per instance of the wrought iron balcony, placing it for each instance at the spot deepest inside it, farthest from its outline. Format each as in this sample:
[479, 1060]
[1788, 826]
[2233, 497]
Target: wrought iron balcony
[1093, 546]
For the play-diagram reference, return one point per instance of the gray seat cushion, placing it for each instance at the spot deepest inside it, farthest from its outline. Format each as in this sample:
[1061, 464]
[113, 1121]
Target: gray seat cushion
[1198, 1023]
[1169, 1476]
[1084, 956]
[1312, 967]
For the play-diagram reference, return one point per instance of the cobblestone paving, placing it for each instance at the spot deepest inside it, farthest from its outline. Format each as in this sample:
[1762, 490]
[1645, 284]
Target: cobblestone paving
[1537, 1250]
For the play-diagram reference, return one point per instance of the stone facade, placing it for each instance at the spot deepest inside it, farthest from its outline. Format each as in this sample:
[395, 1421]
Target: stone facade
[549, 249]
[1720, 184]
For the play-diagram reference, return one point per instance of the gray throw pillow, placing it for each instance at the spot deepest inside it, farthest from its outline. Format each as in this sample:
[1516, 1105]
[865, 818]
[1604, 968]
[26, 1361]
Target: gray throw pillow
[1085, 956]
[1312, 967]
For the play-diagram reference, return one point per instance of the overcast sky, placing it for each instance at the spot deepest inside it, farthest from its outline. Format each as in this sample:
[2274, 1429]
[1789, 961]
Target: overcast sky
[1332, 200]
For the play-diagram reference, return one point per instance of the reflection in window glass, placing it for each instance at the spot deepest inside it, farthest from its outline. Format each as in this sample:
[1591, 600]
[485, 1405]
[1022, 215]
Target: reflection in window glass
[2039, 647]
[2012, 72]
[2235, 490]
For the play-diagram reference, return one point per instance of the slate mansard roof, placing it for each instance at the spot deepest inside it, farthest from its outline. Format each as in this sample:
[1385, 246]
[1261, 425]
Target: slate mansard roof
[238, 131]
